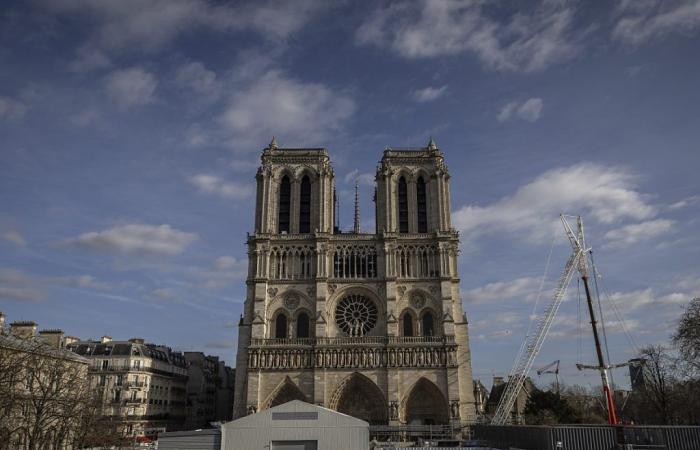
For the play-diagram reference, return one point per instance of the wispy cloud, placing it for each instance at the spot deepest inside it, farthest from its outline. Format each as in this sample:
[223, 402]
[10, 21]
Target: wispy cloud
[18, 286]
[15, 237]
[606, 194]
[499, 291]
[642, 21]
[638, 232]
[212, 184]
[304, 113]
[366, 179]
[147, 26]
[521, 42]
[11, 108]
[131, 87]
[136, 239]
[529, 110]
[428, 94]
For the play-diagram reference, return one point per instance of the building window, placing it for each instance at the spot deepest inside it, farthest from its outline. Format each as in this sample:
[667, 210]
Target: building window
[305, 206]
[407, 325]
[428, 324]
[403, 206]
[281, 326]
[303, 325]
[284, 205]
[421, 206]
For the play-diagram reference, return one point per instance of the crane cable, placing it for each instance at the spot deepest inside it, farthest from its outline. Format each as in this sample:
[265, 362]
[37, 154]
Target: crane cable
[602, 317]
[539, 295]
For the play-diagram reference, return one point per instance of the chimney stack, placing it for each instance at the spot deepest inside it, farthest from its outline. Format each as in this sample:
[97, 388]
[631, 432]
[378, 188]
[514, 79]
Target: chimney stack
[136, 340]
[68, 340]
[2, 320]
[23, 328]
[105, 339]
[497, 381]
[52, 337]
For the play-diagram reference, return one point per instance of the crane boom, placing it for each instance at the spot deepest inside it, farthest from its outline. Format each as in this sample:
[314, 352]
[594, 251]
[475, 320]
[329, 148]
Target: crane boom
[534, 342]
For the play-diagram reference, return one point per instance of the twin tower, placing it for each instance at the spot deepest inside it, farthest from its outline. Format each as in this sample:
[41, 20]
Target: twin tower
[368, 324]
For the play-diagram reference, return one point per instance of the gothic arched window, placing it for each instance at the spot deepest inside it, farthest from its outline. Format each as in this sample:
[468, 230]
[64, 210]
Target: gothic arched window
[421, 206]
[305, 206]
[407, 325]
[281, 326]
[403, 205]
[284, 205]
[303, 325]
[428, 324]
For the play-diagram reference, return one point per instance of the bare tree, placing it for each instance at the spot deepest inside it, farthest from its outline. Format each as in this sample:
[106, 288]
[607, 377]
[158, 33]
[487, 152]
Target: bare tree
[46, 400]
[687, 337]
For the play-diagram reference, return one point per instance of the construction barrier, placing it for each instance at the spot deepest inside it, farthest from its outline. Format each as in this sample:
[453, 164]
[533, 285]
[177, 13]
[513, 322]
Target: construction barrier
[589, 437]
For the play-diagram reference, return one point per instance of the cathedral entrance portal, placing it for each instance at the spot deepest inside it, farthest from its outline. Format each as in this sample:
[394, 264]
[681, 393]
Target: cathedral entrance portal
[359, 397]
[285, 392]
[424, 405]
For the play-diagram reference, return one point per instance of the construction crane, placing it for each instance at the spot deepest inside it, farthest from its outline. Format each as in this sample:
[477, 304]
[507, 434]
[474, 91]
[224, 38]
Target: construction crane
[533, 343]
[548, 369]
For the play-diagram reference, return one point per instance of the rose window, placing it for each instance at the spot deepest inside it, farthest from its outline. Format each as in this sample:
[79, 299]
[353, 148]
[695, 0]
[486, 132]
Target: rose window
[356, 315]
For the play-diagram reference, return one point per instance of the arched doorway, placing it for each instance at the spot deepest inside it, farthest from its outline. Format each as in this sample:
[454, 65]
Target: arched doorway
[285, 392]
[359, 397]
[424, 405]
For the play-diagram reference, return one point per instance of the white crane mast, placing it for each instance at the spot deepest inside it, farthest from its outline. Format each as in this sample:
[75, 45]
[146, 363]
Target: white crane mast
[533, 343]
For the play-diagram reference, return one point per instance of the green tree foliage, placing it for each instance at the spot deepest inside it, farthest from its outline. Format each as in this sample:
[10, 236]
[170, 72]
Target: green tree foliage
[548, 408]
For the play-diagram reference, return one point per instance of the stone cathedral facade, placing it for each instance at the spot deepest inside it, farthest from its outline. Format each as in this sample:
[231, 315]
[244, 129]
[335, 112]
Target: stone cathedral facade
[368, 324]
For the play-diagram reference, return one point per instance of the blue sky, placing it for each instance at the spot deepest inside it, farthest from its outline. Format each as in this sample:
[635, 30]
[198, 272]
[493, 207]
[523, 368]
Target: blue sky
[130, 132]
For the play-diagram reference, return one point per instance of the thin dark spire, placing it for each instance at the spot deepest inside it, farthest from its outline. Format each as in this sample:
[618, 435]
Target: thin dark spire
[356, 223]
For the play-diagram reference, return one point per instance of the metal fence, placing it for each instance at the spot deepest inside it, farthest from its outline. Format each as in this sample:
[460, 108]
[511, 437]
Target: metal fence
[590, 437]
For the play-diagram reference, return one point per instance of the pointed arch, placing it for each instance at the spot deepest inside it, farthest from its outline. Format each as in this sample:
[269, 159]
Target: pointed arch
[286, 391]
[281, 326]
[424, 404]
[428, 323]
[303, 325]
[403, 205]
[305, 205]
[360, 397]
[422, 205]
[285, 203]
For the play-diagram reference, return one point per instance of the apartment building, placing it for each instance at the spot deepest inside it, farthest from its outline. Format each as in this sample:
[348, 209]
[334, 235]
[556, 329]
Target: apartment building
[142, 385]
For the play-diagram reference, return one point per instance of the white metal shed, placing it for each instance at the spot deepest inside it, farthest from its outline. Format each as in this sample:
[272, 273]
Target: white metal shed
[296, 425]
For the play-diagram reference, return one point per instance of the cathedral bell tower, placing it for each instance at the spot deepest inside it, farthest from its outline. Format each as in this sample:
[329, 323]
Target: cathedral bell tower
[368, 324]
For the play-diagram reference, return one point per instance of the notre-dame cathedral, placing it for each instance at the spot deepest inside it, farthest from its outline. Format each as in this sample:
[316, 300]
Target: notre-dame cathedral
[368, 324]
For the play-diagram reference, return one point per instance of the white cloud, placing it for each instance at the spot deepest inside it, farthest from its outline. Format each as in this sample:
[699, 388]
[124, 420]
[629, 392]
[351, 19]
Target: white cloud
[429, 93]
[519, 288]
[15, 285]
[195, 76]
[85, 118]
[162, 293]
[136, 239]
[689, 201]
[638, 232]
[529, 110]
[606, 194]
[225, 262]
[273, 104]
[366, 179]
[523, 41]
[11, 108]
[211, 184]
[79, 281]
[642, 21]
[131, 87]
[14, 237]
[89, 58]
[148, 25]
